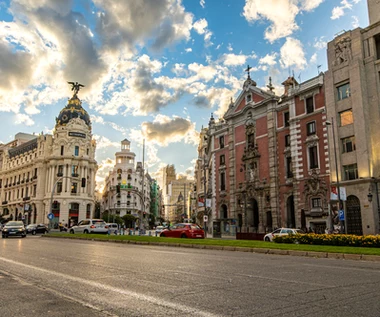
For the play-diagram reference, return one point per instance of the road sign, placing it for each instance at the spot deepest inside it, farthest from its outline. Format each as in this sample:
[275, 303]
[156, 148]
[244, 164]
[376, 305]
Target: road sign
[341, 215]
[205, 218]
[50, 216]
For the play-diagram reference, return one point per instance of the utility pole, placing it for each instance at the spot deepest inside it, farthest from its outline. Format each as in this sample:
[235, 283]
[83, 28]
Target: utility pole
[143, 188]
[204, 191]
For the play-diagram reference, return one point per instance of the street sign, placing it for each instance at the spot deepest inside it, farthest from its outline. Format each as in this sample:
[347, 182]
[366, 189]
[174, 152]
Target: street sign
[341, 215]
[50, 216]
[205, 218]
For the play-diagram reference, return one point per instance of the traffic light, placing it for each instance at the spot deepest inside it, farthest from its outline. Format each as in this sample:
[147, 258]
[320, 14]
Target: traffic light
[83, 182]
[118, 188]
[55, 204]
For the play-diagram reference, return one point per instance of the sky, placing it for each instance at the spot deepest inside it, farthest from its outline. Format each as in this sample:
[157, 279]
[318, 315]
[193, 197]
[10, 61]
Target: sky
[155, 70]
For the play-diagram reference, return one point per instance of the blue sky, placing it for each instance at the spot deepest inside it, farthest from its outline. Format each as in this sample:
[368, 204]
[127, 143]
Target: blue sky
[155, 69]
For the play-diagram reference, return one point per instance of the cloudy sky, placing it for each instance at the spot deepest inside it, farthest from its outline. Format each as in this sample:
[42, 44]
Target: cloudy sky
[155, 69]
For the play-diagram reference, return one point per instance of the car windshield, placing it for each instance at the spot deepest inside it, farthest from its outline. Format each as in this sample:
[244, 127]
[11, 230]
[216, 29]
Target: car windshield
[14, 223]
[195, 227]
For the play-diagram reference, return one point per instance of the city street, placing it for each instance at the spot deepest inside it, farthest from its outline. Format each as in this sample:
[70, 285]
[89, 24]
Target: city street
[64, 277]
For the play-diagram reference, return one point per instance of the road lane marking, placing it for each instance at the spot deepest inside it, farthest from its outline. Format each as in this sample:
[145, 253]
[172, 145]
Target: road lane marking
[135, 295]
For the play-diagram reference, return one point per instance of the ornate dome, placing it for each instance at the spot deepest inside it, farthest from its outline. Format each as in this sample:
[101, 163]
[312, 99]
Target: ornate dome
[73, 110]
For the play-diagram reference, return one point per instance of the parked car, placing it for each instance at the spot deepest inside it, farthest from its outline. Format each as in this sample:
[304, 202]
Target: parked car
[37, 228]
[112, 227]
[183, 230]
[159, 229]
[14, 228]
[90, 226]
[281, 232]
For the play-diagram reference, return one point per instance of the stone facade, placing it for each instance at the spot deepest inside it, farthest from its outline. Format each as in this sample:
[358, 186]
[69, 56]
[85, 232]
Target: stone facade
[352, 103]
[134, 184]
[51, 173]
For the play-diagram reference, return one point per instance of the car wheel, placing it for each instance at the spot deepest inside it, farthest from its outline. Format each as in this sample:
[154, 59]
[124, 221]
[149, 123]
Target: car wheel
[34, 232]
[85, 232]
[267, 239]
[183, 235]
[23, 236]
[162, 235]
[3, 236]
[71, 231]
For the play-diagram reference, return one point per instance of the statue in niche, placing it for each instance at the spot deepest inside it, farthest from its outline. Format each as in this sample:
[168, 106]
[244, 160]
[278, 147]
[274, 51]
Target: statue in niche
[342, 51]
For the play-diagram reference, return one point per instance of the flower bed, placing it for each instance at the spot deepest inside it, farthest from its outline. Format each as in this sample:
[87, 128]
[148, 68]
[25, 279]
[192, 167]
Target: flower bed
[369, 241]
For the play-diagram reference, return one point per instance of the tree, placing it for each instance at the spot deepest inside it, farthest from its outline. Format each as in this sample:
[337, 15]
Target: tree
[129, 220]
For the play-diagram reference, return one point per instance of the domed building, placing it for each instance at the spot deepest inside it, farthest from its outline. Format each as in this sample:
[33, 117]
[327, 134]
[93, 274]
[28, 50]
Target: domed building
[53, 175]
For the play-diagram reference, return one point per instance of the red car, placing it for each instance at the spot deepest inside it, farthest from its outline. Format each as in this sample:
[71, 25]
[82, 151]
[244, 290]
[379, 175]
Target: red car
[184, 230]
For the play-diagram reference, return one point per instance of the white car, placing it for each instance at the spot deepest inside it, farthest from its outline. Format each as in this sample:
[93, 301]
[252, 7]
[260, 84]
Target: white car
[159, 229]
[113, 227]
[281, 232]
[90, 226]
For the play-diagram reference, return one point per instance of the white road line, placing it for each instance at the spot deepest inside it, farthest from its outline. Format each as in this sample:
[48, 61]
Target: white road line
[141, 297]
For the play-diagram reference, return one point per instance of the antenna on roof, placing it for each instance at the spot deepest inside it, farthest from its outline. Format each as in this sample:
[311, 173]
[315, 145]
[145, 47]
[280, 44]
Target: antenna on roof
[318, 67]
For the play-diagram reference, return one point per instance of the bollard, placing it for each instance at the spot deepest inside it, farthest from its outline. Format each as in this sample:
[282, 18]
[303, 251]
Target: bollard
[150, 233]
[156, 233]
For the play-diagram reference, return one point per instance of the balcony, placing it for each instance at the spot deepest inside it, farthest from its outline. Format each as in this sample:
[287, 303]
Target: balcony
[5, 186]
[27, 180]
[18, 183]
[59, 174]
[5, 202]
[23, 181]
[26, 198]
[74, 175]
[34, 177]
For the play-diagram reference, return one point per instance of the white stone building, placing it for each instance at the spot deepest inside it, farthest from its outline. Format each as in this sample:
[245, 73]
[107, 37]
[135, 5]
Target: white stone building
[134, 195]
[36, 170]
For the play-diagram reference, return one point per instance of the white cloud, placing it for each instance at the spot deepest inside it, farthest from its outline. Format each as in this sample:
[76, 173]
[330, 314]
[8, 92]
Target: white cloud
[103, 142]
[340, 11]
[269, 59]
[188, 50]
[202, 3]
[200, 26]
[229, 47]
[21, 118]
[292, 54]
[355, 22]
[320, 43]
[235, 60]
[313, 58]
[280, 14]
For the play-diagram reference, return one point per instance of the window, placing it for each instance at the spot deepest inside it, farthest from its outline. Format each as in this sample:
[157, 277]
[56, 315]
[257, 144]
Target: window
[222, 160]
[222, 181]
[310, 128]
[88, 151]
[350, 171]
[346, 117]
[289, 173]
[248, 98]
[74, 187]
[76, 150]
[286, 119]
[310, 105]
[287, 140]
[316, 202]
[59, 187]
[60, 170]
[74, 170]
[221, 142]
[343, 91]
[348, 144]
[313, 157]
[62, 149]
[377, 44]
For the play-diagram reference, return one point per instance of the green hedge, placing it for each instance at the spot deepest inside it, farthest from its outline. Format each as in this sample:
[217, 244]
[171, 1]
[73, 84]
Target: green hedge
[369, 241]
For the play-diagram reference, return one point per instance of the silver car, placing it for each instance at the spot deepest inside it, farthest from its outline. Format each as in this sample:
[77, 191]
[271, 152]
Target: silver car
[90, 226]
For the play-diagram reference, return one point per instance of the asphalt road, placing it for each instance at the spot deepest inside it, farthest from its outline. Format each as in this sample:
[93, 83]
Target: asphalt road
[60, 277]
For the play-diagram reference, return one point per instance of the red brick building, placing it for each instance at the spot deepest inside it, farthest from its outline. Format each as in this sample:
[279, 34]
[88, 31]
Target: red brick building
[267, 162]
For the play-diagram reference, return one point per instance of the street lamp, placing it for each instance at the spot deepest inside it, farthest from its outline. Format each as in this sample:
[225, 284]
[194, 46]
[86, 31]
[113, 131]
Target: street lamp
[342, 223]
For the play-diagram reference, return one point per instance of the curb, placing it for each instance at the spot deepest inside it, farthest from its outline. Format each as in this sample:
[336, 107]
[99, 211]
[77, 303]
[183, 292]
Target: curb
[314, 254]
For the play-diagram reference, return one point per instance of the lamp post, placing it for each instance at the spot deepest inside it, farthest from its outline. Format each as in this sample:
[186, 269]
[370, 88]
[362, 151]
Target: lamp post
[204, 191]
[342, 222]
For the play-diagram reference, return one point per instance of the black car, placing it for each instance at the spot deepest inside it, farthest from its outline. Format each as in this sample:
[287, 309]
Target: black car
[14, 228]
[34, 228]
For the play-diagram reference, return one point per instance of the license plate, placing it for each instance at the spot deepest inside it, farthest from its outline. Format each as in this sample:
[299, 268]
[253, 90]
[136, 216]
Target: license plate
[199, 235]
[12, 232]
